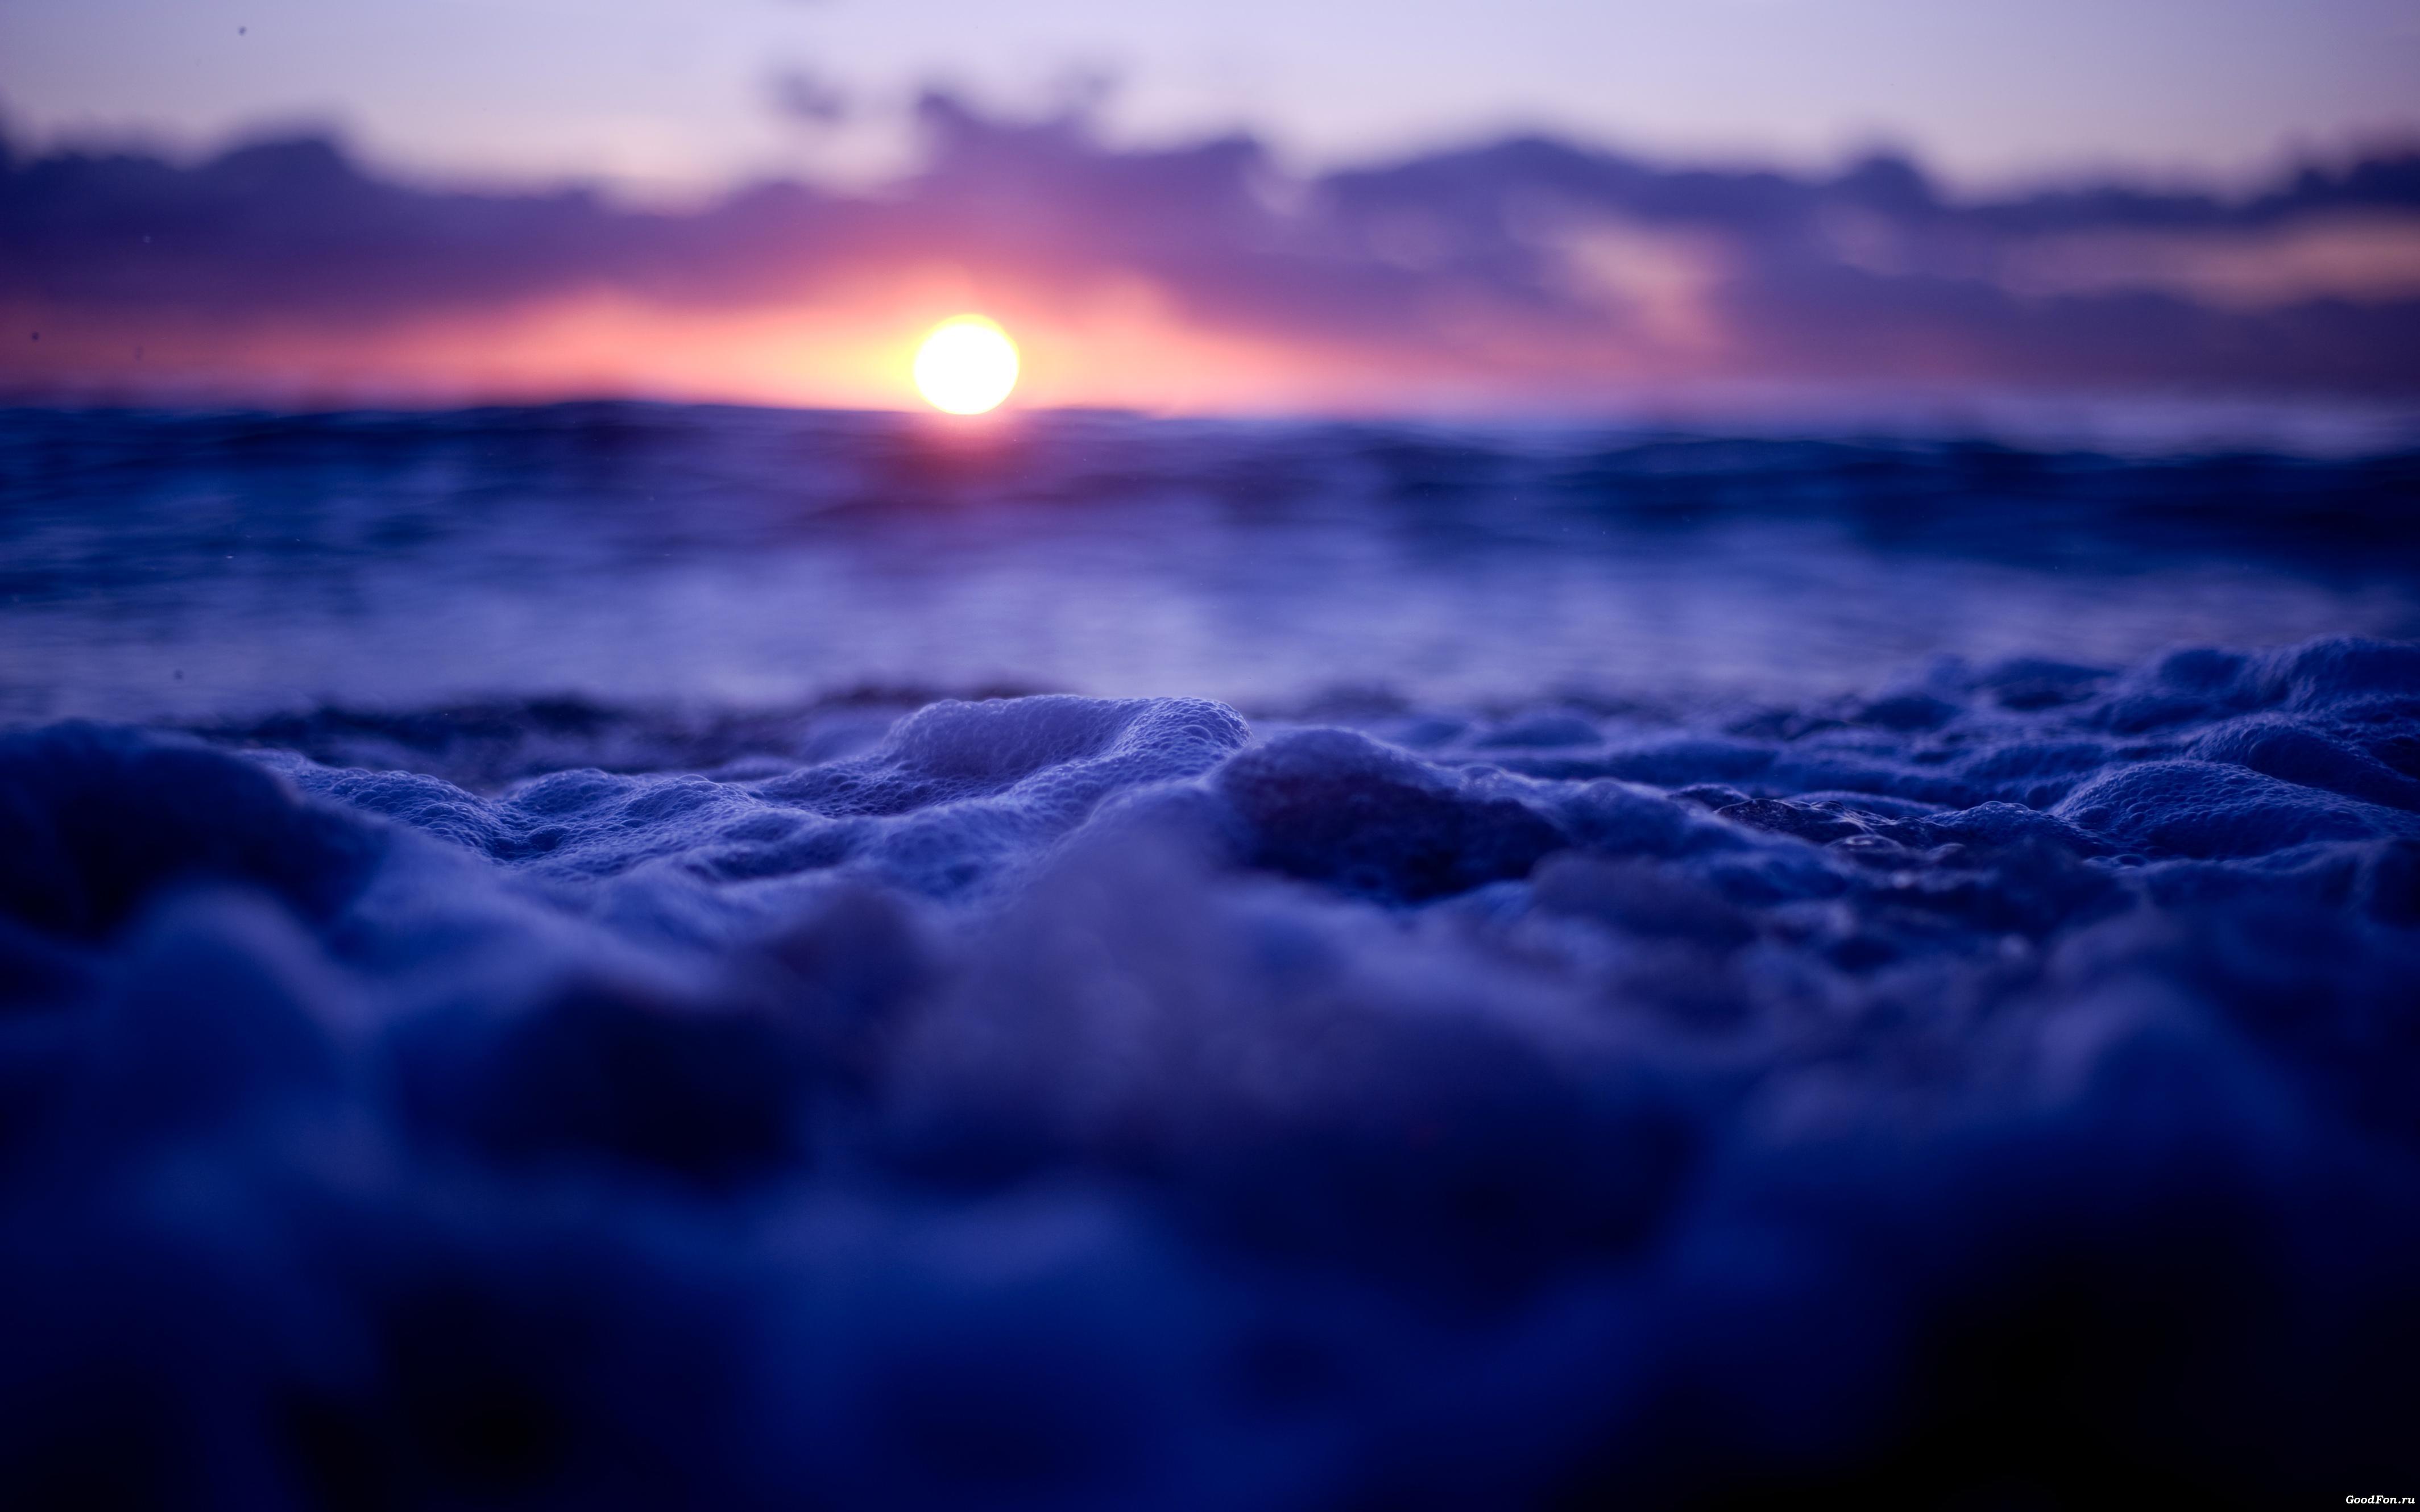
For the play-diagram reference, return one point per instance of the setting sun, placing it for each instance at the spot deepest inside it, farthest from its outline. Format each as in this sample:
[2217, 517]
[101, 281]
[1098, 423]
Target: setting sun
[966, 365]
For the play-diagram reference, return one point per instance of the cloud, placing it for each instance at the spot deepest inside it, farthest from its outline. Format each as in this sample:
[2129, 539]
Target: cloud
[1524, 271]
[808, 96]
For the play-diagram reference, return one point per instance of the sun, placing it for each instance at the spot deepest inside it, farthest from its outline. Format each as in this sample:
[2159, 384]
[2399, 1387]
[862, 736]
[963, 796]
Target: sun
[966, 365]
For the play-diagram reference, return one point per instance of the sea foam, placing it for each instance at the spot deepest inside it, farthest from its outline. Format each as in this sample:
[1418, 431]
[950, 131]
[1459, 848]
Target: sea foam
[2001, 1085]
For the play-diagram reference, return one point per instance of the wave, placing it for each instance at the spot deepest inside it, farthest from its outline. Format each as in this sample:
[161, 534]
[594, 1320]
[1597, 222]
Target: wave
[712, 563]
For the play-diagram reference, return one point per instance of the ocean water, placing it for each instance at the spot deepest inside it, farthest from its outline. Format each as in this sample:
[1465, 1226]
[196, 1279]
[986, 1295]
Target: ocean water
[181, 567]
[626, 956]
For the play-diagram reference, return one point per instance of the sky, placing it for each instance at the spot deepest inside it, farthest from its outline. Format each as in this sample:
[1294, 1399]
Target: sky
[1260, 206]
[671, 98]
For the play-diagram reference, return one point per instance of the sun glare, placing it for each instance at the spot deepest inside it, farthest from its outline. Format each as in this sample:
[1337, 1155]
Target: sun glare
[966, 365]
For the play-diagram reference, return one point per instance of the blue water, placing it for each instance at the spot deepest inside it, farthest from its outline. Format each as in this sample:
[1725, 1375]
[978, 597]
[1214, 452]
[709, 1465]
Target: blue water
[637, 957]
[191, 566]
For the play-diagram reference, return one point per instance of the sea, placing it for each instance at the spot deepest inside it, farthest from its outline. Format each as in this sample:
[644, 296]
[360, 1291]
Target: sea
[627, 955]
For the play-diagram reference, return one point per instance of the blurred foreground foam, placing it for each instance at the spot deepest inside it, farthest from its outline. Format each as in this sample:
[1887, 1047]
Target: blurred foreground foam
[1999, 1085]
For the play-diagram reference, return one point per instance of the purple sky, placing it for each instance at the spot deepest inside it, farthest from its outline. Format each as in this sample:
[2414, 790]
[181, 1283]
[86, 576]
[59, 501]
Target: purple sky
[1261, 204]
[679, 95]
[1517, 273]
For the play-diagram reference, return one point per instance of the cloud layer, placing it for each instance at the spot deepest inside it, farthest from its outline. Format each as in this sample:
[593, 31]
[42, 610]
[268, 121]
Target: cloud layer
[1524, 273]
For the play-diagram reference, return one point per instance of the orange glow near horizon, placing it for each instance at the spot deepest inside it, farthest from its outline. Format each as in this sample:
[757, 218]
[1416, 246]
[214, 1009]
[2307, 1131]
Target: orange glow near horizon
[1117, 343]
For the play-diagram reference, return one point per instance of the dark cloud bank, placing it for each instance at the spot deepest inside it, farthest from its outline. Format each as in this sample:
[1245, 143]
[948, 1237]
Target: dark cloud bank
[1530, 263]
